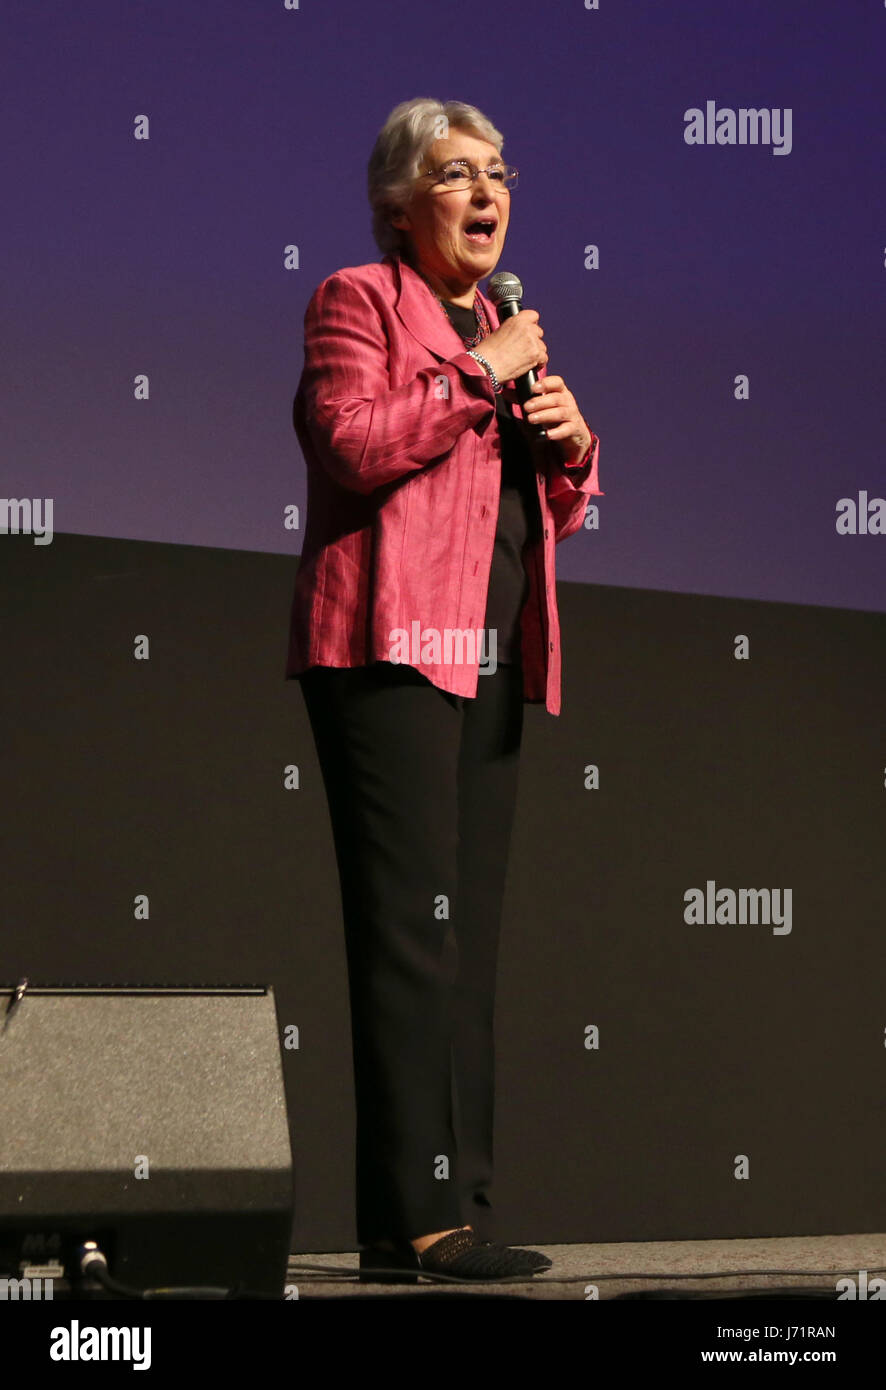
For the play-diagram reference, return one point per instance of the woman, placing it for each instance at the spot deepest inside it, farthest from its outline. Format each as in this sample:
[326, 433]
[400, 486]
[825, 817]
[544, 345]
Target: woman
[424, 617]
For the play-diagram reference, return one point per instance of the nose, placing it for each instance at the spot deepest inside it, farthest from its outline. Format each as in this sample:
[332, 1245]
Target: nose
[487, 188]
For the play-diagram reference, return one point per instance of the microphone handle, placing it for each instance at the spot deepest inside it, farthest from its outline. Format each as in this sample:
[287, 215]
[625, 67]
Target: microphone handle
[522, 384]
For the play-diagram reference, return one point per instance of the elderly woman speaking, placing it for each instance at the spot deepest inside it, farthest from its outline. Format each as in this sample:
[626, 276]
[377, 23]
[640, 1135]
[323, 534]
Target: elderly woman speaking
[424, 617]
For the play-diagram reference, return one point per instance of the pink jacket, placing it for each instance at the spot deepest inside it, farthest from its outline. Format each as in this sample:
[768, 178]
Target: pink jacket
[398, 430]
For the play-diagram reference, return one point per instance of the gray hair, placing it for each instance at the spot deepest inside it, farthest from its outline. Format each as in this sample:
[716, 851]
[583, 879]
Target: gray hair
[402, 144]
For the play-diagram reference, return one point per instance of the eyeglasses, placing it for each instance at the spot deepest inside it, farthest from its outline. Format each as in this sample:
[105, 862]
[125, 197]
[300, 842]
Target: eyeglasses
[460, 173]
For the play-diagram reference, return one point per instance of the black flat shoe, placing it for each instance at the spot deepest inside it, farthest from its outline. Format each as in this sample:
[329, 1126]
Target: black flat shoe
[460, 1254]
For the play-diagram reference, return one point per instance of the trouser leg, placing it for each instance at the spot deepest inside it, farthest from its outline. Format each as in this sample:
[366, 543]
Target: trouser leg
[487, 789]
[388, 743]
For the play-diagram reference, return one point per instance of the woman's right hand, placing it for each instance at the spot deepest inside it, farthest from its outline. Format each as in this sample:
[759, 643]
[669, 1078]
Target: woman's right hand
[515, 347]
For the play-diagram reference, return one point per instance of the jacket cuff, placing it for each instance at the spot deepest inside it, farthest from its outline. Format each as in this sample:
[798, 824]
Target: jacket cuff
[470, 367]
[582, 462]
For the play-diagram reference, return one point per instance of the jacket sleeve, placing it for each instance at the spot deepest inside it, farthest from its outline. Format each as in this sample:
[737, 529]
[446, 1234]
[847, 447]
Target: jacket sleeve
[365, 432]
[567, 496]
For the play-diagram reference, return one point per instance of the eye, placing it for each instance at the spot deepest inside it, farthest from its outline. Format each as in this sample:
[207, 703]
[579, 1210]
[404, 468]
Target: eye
[498, 174]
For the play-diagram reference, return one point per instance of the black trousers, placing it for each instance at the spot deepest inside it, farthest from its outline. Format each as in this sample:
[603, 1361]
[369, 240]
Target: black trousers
[421, 787]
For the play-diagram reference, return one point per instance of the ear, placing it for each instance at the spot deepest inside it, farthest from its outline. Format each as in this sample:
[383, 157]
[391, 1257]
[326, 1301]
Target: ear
[401, 221]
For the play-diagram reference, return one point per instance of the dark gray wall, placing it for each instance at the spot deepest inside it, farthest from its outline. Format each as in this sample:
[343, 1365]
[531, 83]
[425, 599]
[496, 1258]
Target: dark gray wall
[166, 777]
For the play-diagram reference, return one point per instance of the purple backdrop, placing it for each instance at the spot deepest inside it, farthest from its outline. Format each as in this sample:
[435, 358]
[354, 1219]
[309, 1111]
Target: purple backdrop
[166, 257]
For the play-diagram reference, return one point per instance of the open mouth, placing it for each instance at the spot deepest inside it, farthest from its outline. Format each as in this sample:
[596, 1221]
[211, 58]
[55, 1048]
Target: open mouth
[482, 231]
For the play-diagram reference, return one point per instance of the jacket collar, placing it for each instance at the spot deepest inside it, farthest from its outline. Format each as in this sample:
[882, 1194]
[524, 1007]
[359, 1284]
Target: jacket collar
[420, 311]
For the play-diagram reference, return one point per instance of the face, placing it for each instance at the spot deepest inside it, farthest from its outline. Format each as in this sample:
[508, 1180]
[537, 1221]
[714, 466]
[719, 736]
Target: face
[437, 216]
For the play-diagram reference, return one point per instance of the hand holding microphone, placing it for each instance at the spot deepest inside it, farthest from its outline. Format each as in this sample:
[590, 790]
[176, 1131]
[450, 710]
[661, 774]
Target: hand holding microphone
[515, 348]
[518, 339]
[513, 351]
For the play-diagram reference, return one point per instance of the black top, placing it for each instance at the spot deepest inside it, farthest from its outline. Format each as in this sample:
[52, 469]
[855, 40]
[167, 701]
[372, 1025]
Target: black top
[519, 519]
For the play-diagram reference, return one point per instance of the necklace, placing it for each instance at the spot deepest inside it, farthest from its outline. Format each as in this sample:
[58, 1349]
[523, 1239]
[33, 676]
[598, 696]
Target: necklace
[483, 326]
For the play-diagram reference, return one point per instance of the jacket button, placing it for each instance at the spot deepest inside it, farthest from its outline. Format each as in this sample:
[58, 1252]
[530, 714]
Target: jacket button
[546, 533]
[483, 510]
[550, 646]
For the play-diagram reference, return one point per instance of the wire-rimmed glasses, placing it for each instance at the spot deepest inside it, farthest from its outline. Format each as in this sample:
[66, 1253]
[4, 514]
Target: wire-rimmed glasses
[461, 173]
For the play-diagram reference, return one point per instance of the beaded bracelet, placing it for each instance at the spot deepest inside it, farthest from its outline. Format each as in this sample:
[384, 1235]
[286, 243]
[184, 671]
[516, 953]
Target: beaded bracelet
[483, 363]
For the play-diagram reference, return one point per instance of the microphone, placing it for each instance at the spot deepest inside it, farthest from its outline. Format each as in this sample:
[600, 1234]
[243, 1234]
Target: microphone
[506, 293]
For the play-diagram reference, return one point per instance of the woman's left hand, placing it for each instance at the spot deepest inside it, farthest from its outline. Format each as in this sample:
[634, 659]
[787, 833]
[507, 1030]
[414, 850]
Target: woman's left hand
[552, 405]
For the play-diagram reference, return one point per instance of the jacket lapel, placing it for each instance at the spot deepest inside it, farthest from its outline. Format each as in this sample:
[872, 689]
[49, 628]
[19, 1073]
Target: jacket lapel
[421, 313]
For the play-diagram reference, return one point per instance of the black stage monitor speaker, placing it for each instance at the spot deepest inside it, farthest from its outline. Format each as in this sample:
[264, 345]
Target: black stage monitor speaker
[151, 1120]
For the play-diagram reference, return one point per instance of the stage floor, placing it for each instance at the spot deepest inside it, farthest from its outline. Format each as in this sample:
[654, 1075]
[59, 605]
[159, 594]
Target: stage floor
[789, 1266]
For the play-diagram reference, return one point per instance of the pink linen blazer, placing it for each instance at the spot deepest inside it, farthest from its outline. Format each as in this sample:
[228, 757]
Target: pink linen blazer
[398, 429]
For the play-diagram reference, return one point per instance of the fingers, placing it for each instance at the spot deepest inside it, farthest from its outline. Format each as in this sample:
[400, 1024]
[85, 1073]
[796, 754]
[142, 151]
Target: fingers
[551, 404]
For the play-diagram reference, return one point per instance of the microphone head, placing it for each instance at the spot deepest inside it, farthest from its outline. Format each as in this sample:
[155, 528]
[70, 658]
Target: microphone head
[504, 287]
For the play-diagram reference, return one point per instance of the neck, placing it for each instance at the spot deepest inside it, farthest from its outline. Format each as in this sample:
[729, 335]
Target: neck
[452, 288]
